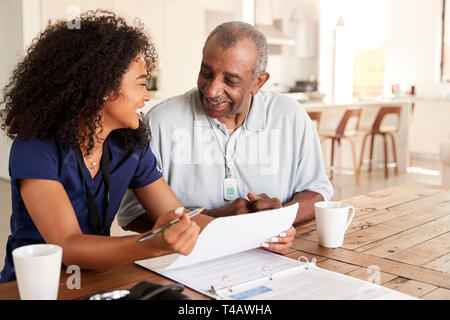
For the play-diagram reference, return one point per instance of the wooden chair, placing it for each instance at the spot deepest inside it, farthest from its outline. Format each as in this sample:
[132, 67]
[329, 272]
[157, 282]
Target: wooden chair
[383, 131]
[342, 132]
[315, 117]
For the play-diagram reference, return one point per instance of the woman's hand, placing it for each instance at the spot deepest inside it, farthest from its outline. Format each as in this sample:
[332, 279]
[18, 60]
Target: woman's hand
[180, 237]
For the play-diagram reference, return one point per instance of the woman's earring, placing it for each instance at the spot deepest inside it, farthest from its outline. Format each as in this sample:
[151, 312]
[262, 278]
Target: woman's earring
[104, 98]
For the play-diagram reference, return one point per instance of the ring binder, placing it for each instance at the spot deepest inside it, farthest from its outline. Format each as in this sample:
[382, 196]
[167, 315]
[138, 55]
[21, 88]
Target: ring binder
[266, 272]
[217, 291]
[263, 271]
[230, 284]
[260, 275]
[307, 263]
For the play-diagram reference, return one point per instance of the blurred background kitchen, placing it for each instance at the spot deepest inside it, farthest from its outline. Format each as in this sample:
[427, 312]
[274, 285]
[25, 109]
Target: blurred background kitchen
[330, 55]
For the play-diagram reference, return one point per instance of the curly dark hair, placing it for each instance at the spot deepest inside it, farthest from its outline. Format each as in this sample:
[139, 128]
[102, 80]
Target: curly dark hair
[59, 86]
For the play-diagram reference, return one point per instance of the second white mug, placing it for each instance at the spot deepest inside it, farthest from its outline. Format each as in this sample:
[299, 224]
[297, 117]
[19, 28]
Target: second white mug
[332, 220]
[38, 268]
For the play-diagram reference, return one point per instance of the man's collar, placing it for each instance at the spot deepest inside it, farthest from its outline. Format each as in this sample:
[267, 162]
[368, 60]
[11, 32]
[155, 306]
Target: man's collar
[256, 119]
[200, 118]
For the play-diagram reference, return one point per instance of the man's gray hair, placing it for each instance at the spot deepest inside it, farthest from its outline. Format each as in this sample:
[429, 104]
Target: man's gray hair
[229, 33]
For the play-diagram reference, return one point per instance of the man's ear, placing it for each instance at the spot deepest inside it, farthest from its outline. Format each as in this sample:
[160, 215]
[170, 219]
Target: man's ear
[262, 79]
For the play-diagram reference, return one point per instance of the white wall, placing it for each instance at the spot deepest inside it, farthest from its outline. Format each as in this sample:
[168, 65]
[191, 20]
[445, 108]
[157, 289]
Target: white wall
[429, 127]
[11, 50]
[413, 55]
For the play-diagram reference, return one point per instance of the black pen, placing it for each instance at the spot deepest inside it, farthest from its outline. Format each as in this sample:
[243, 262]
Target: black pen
[159, 230]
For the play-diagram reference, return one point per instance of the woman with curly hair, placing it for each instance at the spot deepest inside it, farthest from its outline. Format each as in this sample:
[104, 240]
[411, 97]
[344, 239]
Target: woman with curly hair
[72, 108]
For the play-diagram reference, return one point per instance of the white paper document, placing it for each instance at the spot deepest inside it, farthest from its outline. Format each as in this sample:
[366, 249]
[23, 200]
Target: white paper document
[227, 235]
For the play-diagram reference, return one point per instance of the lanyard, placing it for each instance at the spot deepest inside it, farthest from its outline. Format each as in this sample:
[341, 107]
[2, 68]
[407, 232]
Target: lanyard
[228, 162]
[92, 206]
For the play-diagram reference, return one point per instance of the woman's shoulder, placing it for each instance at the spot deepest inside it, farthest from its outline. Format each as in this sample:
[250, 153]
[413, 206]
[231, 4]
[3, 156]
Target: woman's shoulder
[35, 158]
[34, 145]
[38, 152]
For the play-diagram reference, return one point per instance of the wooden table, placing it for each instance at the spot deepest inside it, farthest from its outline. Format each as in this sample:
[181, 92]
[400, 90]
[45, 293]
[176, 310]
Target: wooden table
[402, 232]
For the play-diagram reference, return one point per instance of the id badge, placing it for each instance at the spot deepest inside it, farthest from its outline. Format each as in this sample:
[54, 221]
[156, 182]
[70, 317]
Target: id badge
[230, 189]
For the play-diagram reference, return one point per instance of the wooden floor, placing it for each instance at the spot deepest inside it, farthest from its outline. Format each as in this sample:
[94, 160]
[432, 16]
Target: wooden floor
[344, 187]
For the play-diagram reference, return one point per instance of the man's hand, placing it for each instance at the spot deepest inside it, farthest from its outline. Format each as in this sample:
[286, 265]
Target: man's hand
[261, 202]
[241, 206]
[281, 243]
[238, 206]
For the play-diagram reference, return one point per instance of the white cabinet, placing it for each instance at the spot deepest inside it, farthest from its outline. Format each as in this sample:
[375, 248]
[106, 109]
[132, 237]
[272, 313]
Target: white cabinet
[430, 126]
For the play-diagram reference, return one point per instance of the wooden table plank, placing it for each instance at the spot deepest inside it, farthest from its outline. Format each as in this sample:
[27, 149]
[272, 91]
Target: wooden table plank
[9, 291]
[441, 264]
[367, 203]
[337, 266]
[391, 228]
[386, 213]
[364, 260]
[306, 227]
[425, 252]
[438, 294]
[407, 238]
[411, 287]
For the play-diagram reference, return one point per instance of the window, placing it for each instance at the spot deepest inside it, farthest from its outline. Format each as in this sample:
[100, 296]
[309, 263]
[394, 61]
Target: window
[353, 38]
[368, 72]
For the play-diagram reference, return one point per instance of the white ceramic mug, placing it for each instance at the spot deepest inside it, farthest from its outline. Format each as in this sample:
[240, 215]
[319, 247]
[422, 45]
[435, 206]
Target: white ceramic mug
[332, 220]
[38, 267]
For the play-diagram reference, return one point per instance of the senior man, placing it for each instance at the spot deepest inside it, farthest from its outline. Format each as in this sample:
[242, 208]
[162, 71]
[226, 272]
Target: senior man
[230, 147]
